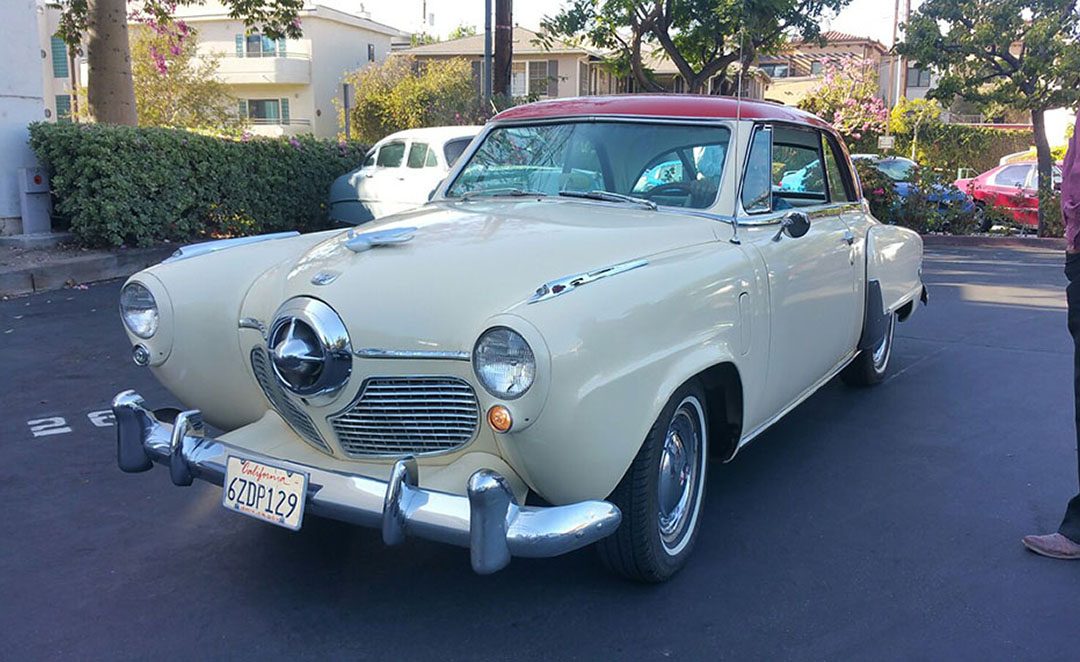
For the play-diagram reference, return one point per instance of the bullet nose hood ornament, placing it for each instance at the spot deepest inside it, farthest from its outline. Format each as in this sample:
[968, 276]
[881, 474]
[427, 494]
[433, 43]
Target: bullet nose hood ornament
[309, 348]
[363, 241]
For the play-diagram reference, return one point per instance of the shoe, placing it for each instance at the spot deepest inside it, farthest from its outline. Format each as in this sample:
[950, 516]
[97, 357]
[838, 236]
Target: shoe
[1054, 545]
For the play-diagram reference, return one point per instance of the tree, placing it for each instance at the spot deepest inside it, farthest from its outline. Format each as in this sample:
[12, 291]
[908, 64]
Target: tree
[1019, 54]
[462, 31]
[174, 90]
[703, 38]
[847, 97]
[909, 116]
[104, 26]
[403, 94]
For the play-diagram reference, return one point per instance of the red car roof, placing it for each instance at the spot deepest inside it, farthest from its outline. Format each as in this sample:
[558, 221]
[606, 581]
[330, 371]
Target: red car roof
[661, 105]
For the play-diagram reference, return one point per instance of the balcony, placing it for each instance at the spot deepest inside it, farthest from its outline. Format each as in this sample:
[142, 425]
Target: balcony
[275, 128]
[265, 68]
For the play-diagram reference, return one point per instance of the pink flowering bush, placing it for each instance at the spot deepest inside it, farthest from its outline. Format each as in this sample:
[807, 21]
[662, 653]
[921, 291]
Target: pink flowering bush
[848, 98]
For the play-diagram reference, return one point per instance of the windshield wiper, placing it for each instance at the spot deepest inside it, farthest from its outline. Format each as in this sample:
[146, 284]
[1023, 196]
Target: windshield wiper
[608, 196]
[501, 193]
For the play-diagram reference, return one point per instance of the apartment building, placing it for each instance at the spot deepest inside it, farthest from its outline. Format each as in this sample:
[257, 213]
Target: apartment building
[290, 86]
[563, 70]
[796, 70]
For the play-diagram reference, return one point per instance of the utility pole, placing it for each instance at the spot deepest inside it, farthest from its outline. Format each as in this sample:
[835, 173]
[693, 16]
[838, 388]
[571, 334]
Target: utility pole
[487, 54]
[903, 71]
[899, 59]
[504, 45]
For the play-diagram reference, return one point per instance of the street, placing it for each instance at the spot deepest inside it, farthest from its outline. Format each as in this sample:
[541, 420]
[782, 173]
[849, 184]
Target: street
[882, 523]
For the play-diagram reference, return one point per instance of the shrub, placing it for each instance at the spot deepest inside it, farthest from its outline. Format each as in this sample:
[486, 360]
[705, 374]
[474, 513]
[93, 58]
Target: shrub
[949, 147]
[878, 190]
[120, 185]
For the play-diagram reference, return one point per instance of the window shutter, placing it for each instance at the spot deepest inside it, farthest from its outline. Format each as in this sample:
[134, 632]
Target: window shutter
[242, 108]
[281, 47]
[553, 78]
[239, 45]
[59, 58]
[284, 111]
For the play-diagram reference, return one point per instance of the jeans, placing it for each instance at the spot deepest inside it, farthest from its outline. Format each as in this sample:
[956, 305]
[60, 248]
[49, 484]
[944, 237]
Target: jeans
[1070, 525]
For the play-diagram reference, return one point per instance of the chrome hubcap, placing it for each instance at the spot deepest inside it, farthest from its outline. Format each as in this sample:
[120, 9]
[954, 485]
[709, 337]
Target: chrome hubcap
[884, 348]
[681, 468]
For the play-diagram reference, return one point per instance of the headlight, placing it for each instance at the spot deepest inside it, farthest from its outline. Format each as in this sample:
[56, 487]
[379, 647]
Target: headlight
[139, 310]
[504, 363]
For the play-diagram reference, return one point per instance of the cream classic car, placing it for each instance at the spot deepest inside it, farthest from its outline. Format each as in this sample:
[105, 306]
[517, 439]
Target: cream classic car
[604, 295]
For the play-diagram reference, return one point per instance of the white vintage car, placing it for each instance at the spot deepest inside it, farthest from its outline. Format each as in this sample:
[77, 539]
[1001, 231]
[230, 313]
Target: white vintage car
[604, 294]
[398, 173]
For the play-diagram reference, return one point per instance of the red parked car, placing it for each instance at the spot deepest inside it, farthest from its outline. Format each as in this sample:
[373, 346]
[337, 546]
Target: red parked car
[1013, 187]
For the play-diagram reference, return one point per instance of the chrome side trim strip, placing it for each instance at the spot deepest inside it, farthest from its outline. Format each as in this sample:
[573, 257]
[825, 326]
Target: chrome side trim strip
[429, 354]
[206, 247]
[560, 286]
[252, 323]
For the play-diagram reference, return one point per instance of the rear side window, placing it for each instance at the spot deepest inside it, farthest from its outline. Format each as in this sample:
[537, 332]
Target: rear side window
[1014, 175]
[840, 187]
[453, 149]
[417, 155]
[391, 154]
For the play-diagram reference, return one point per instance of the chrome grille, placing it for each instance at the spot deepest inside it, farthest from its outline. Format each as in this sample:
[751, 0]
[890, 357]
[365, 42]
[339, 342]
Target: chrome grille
[395, 415]
[296, 418]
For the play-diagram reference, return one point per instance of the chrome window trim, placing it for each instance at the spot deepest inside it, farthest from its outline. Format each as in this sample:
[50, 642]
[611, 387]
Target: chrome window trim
[420, 354]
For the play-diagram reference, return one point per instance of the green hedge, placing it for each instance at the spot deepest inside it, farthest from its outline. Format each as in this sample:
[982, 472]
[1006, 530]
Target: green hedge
[947, 147]
[119, 185]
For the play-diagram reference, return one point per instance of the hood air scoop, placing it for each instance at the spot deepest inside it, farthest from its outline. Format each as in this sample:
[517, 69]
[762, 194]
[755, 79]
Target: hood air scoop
[358, 243]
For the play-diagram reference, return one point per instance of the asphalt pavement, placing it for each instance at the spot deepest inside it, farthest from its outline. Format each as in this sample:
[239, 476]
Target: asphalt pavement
[880, 524]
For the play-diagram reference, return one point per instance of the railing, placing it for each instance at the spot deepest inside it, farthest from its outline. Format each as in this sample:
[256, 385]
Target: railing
[292, 55]
[277, 121]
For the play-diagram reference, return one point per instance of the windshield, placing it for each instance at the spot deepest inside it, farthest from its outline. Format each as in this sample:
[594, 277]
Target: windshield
[898, 170]
[668, 164]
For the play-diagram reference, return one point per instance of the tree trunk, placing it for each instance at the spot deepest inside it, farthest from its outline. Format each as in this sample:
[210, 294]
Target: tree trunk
[1045, 166]
[110, 88]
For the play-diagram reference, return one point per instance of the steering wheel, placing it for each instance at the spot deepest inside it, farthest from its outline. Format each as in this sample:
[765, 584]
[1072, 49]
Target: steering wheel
[676, 188]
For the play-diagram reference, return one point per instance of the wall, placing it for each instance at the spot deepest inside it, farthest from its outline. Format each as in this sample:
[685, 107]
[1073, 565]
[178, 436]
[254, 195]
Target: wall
[337, 50]
[21, 99]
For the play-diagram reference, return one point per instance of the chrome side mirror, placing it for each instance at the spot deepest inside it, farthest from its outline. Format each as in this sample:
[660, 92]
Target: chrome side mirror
[794, 224]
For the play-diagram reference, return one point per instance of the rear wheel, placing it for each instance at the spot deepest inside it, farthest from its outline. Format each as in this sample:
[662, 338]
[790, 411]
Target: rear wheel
[661, 494]
[871, 365]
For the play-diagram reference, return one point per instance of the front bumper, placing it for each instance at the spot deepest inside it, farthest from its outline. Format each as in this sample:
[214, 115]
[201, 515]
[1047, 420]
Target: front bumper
[488, 520]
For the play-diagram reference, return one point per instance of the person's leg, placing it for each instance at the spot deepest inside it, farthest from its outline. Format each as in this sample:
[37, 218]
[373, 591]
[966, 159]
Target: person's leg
[1065, 544]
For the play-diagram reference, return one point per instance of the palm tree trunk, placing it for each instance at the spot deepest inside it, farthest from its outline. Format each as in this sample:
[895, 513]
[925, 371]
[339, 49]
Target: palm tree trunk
[110, 88]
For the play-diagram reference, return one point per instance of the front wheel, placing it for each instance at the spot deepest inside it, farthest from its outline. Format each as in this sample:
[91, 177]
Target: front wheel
[870, 366]
[660, 495]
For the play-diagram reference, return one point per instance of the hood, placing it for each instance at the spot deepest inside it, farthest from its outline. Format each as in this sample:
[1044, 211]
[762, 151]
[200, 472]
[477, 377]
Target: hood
[469, 261]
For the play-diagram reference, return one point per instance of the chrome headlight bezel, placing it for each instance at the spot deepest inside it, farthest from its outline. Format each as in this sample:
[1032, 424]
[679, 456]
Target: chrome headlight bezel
[515, 355]
[137, 300]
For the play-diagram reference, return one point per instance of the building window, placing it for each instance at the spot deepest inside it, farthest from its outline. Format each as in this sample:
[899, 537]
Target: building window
[917, 77]
[265, 111]
[371, 52]
[63, 107]
[538, 78]
[816, 67]
[519, 82]
[257, 45]
[776, 70]
[59, 58]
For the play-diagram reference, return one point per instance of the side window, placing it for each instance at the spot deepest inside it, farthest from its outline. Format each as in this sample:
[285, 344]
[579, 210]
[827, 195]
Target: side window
[840, 188]
[757, 180]
[454, 149]
[1014, 175]
[417, 155]
[391, 154]
[797, 166]
[370, 159]
[431, 160]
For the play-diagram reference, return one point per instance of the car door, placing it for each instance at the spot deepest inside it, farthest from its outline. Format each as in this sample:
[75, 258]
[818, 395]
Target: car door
[383, 187]
[814, 310]
[422, 175]
[1007, 190]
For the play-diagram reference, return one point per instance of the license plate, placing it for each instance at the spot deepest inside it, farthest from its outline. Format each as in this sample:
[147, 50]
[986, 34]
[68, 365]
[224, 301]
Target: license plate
[264, 492]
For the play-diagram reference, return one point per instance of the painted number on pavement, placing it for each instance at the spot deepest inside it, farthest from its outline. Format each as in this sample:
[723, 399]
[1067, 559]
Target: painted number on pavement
[53, 425]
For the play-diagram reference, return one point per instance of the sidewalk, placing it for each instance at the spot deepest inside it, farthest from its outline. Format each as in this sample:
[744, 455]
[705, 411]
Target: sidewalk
[25, 271]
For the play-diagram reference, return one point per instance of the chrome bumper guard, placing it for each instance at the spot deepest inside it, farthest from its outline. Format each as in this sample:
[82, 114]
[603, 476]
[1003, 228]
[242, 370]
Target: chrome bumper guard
[488, 520]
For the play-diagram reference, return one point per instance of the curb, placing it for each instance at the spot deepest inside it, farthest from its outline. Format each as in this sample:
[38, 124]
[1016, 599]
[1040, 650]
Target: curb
[80, 270]
[968, 241]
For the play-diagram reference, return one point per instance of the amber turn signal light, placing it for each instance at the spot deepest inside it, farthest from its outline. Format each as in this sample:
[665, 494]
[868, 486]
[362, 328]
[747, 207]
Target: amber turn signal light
[499, 418]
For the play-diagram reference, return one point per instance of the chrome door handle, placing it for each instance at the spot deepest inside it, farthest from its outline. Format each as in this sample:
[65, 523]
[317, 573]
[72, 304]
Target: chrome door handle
[849, 237]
